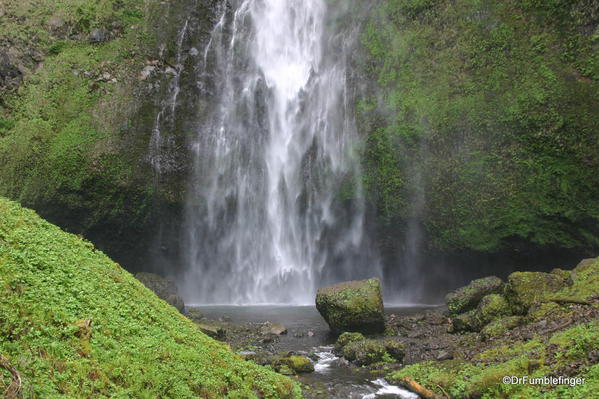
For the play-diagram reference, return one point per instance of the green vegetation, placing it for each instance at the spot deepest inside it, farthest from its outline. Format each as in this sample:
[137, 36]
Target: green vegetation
[74, 133]
[547, 352]
[487, 110]
[482, 377]
[74, 324]
[61, 140]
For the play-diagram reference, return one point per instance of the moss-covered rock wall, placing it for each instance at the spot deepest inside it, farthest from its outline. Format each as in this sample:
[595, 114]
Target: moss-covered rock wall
[84, 84]
[483, 124]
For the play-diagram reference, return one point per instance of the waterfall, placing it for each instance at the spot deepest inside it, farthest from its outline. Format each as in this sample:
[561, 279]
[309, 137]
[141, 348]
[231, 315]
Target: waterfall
[274, 207]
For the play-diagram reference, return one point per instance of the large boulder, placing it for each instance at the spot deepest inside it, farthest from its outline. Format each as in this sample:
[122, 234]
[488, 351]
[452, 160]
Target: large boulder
[352, 306]
[165, 289]
[524, 289]
[467, 298]
[492, 307]
[369, 351]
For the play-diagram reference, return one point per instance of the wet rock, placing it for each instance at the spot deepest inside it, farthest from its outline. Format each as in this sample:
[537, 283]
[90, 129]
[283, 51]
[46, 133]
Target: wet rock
[346, 338]
[368, 351]
[298, 364]
[524, 289]
[465, 322]
[468, 297]
[147, 72]
[395, 349]
[273, 328]
[444, 355]
[212, 330]
[195, 314]
[499, 326]
[98, 35]
[492, 307]
[352, 306]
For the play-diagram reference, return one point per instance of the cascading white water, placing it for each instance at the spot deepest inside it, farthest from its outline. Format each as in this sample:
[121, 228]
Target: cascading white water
[266, 219]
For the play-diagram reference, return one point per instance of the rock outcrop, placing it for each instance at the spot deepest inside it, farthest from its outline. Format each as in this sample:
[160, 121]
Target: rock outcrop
[352, 306]
[468, 297]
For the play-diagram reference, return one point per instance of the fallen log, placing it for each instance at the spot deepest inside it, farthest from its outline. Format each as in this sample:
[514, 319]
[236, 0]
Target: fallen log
[411, 385]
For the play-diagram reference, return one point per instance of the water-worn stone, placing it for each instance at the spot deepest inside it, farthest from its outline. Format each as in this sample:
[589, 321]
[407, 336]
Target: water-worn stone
[273, 328]
[468, 297]
[212, 330]
[299, 364]
[352, 306]
[524, 289]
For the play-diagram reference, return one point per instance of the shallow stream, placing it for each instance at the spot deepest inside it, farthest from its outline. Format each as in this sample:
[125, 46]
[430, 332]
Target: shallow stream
[308, 333]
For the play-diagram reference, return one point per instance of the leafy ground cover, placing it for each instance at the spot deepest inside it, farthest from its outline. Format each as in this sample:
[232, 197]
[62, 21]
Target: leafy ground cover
[74, 324]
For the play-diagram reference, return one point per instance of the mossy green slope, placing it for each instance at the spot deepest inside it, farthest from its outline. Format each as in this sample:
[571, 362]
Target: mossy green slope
[483, 124]
[54, 284]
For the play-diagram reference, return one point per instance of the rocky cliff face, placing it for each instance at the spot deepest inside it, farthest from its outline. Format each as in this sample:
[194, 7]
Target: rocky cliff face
[88, 101]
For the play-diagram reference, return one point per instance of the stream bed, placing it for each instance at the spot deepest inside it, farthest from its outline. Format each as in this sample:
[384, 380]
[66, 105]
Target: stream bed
[308, 334]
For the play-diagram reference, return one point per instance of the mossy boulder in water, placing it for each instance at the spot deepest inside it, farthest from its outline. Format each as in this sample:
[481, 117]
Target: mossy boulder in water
[347, 338]
[298, 364]
[527, 288]
[352, 306]
[369, 351]
[466, 298]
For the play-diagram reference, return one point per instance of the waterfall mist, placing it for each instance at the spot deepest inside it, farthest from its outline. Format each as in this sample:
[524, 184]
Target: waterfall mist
[274, 205]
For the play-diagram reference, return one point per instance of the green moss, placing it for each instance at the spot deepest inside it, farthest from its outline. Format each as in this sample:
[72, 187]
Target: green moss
[489, 108]
[524, 289]
[482, 376]
[75, 324]
[366, 352]
[299, 364]
[584, 281]
[346, 338]
[499, 326]
[352, 306]
[468, 297]
[491, 307]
